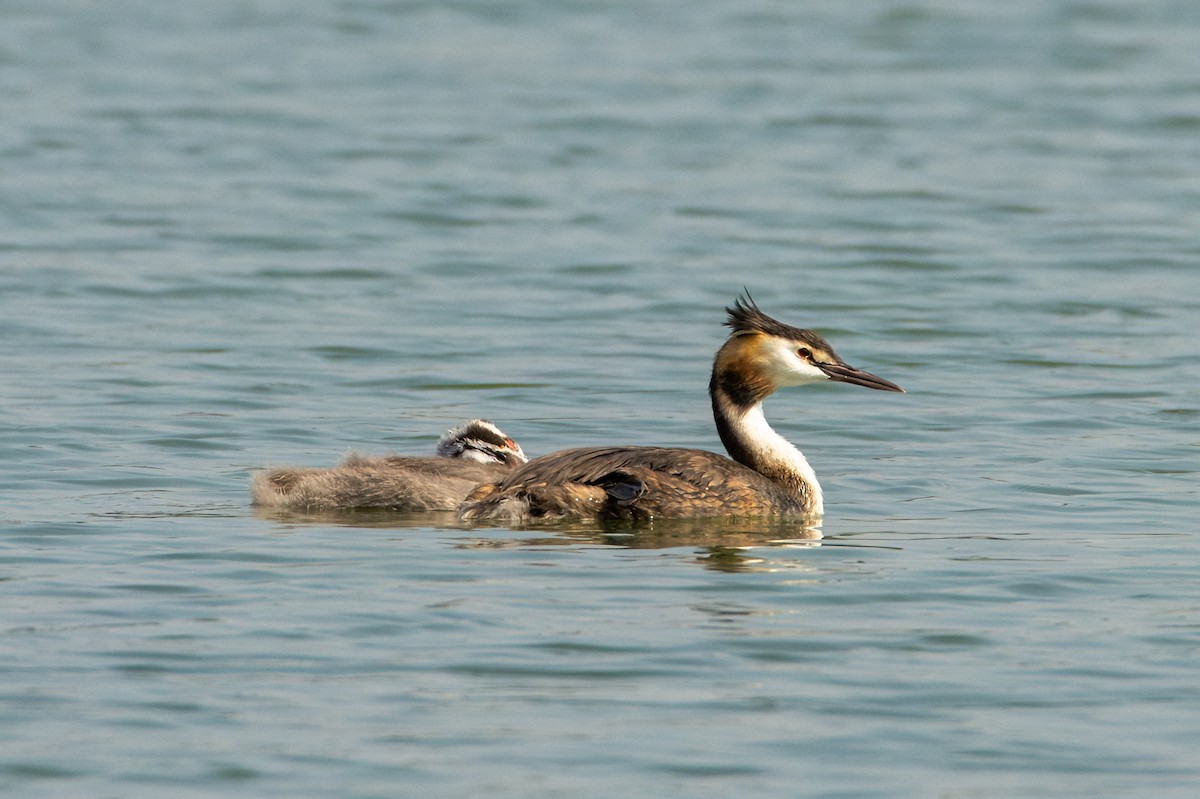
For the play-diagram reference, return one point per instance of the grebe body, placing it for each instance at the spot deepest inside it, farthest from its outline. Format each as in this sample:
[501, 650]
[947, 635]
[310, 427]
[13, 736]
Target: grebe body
[765, 476]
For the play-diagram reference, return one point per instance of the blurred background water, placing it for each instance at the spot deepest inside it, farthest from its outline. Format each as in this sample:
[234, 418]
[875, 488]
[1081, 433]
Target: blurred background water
[251, 232]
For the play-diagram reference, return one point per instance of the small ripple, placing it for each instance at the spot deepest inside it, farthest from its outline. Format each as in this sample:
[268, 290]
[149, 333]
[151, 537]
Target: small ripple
[711, 212]
[188, 292]
[951, 641]
[474, 386]
[337, 274]
[433, 219]
[1176, 122]
[235, 773]
[595, 124]
[39, 771]
[159, 588]
[269, 243]
[598, 269]
[346, 353]
[224, 556]
[707, 770]
[830, 120]
[186, 444]
[544, 672]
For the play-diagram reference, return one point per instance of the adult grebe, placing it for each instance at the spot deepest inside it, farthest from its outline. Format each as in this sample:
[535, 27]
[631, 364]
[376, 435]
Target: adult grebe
[767, 476]
[472, 453]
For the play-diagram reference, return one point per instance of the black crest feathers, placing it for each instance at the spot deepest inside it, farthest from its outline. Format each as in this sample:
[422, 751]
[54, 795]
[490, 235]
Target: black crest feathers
[745, 317]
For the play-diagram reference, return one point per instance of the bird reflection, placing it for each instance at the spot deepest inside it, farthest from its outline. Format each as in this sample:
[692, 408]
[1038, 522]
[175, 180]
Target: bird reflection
[724, 544]
[727, 545]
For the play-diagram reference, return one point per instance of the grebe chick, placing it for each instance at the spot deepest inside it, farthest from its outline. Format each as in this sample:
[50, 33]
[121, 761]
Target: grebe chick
[768, 476]
[472, 453]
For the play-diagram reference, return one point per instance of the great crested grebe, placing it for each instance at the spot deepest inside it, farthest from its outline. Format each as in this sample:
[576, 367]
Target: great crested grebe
[472, 453]
[768, 476]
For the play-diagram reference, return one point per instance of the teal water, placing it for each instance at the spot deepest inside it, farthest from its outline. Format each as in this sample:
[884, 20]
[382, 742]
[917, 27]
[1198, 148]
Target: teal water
[236, 234]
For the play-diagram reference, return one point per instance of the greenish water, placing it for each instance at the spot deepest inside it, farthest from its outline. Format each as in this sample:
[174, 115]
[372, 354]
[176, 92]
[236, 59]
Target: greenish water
[237, 234]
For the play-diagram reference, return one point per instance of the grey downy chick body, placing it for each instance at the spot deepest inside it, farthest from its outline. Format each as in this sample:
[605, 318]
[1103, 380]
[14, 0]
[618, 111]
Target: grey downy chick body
[472, 453]
[765, 476]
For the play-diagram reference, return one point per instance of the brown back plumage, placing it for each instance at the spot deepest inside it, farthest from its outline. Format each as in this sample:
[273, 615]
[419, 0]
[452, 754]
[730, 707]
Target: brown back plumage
[629, 483]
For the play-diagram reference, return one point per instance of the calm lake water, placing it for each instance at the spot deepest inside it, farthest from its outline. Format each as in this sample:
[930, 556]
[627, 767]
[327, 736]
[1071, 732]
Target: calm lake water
[244, 233]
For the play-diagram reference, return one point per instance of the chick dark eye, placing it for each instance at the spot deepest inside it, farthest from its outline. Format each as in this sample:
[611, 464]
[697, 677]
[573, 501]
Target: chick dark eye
[805, 353]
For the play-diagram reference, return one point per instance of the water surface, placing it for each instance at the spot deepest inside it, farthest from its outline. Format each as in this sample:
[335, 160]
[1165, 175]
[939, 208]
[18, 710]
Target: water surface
[251, 233]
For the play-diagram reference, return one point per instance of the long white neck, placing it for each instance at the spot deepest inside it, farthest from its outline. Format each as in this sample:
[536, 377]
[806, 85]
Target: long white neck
[751, 441]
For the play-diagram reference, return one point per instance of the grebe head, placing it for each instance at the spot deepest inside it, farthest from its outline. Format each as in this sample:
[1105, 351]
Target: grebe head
[480, 440]
[763, 354]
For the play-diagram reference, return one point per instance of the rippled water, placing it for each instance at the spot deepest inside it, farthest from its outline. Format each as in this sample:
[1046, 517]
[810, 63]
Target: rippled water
[235, 234]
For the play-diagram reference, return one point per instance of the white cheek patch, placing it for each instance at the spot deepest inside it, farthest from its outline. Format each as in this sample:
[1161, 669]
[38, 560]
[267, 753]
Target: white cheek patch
[786, 368]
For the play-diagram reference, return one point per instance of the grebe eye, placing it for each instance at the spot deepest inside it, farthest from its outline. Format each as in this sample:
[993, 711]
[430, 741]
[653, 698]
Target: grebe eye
[805, 353]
